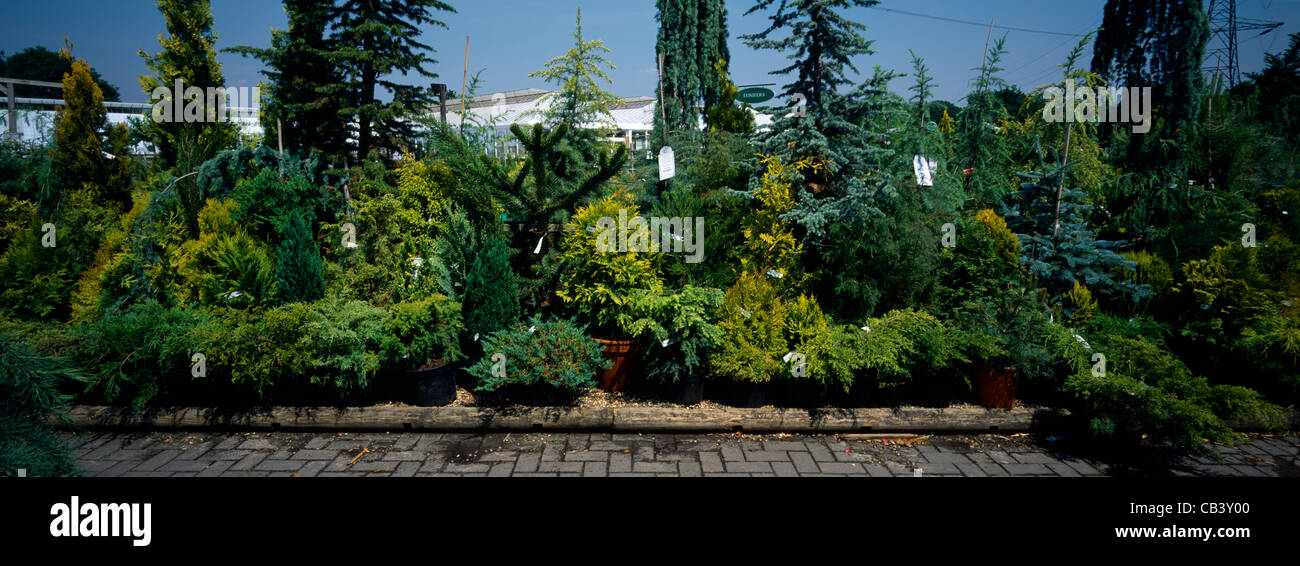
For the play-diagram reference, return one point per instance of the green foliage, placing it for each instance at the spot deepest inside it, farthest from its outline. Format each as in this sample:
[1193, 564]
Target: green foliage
[724, 115]
[225, 266]
[1057, 246]
[424, 334]
[336, 345]
[556, 353]
[30, 392]
[903, 345]
[1147, 391]
[986, 257]
[266, 198]
[491, 294]
[141, 352]
[829, 355]
[298, 269]
[680, 330]
[752, 321]
[1011, 329]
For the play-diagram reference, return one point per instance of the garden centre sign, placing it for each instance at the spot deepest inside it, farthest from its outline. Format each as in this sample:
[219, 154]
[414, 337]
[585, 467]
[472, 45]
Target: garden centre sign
[755, 95]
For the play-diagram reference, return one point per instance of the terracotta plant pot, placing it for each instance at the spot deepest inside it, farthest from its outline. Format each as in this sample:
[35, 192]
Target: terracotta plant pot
[622, 357]
[995, 387]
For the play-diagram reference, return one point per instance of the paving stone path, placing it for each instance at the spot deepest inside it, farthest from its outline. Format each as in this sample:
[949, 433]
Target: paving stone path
[179, 454]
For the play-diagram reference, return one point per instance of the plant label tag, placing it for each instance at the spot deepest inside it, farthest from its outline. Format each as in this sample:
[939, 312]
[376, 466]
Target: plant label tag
[532, 329]
[775, 273]
[476, 337]
[666, 342]
[667, 164]
[867, 328]
[591, 229]
[788, 355]
[538, 249]
[744, 312]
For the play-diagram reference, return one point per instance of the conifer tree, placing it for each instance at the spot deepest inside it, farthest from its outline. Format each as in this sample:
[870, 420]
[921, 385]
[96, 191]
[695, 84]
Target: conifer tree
[692, 39]
[1059, 255]
[188, 56]
[305, 94]
[580, 102]
[725, 115]
[491, 293]
[371, 41]
[982, 150]
[1158, 43]
[299, 271]
[88, 154]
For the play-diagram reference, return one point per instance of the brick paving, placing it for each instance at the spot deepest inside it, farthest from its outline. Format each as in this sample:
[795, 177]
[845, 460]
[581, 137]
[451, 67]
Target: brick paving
[326, 454]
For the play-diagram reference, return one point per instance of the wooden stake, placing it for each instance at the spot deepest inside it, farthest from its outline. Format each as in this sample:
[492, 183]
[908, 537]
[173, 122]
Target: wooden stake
[463, 79]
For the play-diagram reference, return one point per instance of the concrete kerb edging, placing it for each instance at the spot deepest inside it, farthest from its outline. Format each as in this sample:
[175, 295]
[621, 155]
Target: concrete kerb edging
[622, 419]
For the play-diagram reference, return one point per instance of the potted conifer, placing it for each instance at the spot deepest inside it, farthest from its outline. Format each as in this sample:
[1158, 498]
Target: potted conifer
[423, 340]
[678, 331]
[602, 274]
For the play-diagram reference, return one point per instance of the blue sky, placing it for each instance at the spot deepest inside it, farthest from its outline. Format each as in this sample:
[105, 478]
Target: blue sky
[510, 38]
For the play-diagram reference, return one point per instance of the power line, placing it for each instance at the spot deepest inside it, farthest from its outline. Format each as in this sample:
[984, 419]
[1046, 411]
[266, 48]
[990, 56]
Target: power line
[968, 22]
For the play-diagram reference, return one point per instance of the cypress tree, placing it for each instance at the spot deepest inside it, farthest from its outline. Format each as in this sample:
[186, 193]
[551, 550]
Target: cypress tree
[692, 39]
[491, 293]
[87, 153]
[299, 272]
[371, 42]
[1157, 43]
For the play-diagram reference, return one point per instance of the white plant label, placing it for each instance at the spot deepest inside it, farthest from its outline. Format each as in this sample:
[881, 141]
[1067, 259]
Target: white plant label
[775, 273]
[476, 337]
[667, 164]
[538, 249]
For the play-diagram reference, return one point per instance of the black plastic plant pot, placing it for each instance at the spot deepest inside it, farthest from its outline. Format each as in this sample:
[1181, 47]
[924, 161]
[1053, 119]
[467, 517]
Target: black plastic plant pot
[748, 395]
[688, 390]
[435, 387]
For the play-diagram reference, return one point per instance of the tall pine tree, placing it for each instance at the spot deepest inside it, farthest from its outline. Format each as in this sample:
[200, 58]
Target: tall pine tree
[824, 125]
[304, 97]
[372, 43]
[580, 102]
